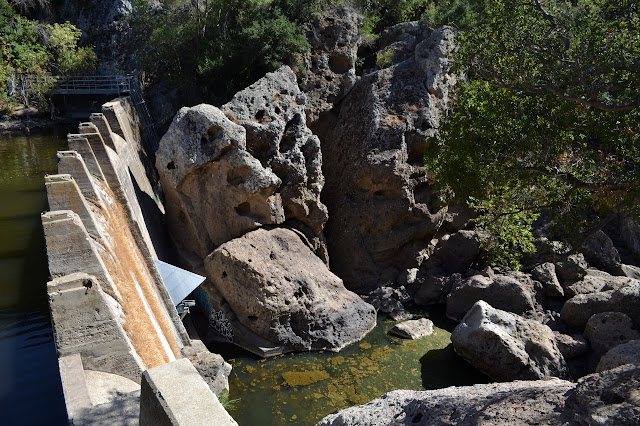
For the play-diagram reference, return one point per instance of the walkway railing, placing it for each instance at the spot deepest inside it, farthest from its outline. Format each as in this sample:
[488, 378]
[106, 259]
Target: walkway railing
[97, 85]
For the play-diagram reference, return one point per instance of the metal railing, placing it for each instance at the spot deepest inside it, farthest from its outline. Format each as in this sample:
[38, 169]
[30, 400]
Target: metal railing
[95, 85]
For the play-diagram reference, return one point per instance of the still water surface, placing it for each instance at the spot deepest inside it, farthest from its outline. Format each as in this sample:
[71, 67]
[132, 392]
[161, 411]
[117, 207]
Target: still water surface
[30, 389]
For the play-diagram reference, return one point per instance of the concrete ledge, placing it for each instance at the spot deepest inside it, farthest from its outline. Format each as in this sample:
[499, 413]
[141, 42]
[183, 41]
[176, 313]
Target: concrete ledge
[72, 163]
[64, 194]
[175, 394]
[80, 144]
[74, 384]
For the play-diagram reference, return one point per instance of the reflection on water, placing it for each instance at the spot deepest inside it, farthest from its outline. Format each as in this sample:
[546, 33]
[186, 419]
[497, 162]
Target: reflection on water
[30, 390]
[303, 388]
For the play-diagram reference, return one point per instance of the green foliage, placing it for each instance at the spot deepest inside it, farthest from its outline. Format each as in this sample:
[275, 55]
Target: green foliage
[36, 50]
[463, 14]
[548, 120]
[228, 404]
[219, 46]
[384, 58]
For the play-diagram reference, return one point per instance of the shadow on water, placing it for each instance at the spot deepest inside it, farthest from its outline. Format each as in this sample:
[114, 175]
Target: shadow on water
[441, 368]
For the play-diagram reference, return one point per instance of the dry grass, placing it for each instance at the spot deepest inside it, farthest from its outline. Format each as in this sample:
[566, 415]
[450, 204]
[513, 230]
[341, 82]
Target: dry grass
[127, 267]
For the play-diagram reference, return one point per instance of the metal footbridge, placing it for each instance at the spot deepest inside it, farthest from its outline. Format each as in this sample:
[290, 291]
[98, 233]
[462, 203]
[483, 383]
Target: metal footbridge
[102, 85]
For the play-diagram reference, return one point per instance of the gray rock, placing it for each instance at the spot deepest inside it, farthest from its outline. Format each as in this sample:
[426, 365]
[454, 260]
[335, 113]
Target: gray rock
[546, 274]
[626, 353]
[272, 111]
[607, 330]
[223, 178]
[383, 210]
[595, 281]
[215, 190]
[388, 299]
[456, 252]
[629, 271]
[514, 293]
[506, 346]
[571, 346]
[600, 252]
[401, 39]
[630, 232]
[334, 37]
[214, 370]
[610, 397]
[626, 299]
[573, 268]
[280, 291]
[607, 398]
[434, 287]
[514, 403]
[413, 329]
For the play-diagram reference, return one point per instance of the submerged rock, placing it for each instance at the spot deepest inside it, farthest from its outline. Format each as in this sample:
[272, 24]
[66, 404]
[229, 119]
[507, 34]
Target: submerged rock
[283, 293]
[506, 346]
[413, 329]
[382, 209]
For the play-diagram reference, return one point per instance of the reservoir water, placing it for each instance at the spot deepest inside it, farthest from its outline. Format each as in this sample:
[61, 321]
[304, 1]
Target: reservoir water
[30, 389]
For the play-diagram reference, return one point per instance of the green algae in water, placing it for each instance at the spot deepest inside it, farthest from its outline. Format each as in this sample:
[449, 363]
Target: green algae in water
[302, 388]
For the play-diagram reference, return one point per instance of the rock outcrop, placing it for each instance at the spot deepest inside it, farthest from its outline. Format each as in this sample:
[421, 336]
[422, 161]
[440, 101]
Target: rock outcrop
[272, 111]
[334, 37]
[279, 290]
[382, 209]
[253, 163]
[516, 403]
[607, 398]
[506, 346]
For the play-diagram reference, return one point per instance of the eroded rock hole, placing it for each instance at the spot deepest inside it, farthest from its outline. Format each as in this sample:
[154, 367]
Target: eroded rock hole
[252, 318]
[339, 64]
[243, 209]
[224, 274]
[171, 165]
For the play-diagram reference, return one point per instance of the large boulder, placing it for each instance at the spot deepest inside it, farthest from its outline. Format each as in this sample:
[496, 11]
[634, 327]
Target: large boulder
[600, 252]
[279, 290]
[253, 163]
[627, 353]
[626, 299]
[506, 346]
[272, 111]
[607, 398]
[515, 293]
[215, 190]
[383, 210]
[607, 330]
[515, 403]
[330, 65]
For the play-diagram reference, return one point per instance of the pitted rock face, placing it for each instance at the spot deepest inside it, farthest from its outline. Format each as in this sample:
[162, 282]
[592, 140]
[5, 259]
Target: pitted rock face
[272, 111]
[215, 190]
[383, 211]
[331, 65]
[279, 290]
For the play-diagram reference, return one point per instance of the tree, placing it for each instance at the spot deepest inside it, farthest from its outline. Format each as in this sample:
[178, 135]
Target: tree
[548, 118]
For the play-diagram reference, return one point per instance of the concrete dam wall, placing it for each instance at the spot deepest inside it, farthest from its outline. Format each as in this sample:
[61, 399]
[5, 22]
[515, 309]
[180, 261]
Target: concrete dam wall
[111, 312]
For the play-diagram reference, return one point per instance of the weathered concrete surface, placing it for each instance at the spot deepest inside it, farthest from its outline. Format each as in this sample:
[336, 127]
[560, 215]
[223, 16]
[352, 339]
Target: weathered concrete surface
[282, 292]
[72, 163]
[506, 346]
[63, 193]
[175, 394]
[84, 322]
[74, 384]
